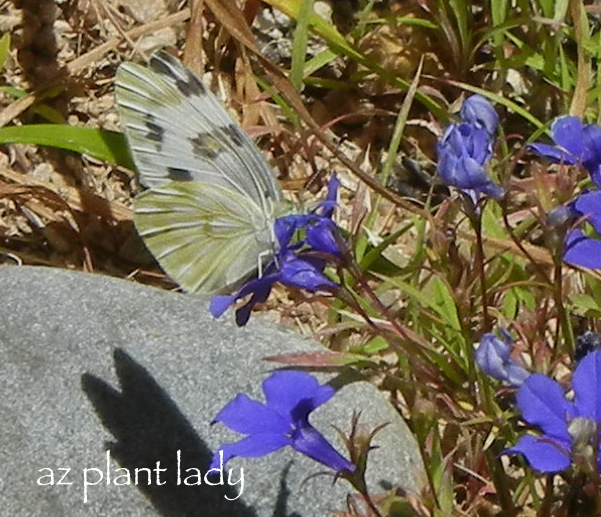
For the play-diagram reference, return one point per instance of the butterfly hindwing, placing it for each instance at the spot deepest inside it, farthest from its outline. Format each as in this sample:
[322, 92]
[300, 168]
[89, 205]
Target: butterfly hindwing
[207, 238]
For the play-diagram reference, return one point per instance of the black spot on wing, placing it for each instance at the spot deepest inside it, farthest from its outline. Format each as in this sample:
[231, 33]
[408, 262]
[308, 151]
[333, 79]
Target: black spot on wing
[191, 86]
[154, 132]
[160, 63]
[177, 174]
[233, 132]
[186, 81]
[205, 146]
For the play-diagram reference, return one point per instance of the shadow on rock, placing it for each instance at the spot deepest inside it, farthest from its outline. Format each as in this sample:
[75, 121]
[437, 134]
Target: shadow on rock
[149, 428]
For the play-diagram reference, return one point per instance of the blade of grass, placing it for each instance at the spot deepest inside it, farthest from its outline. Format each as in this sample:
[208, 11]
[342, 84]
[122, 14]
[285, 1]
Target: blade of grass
[578, 104]
[364, 19]
[316, 62]
[4, 48]
[103, 145]
[462, 12]
[299, 44]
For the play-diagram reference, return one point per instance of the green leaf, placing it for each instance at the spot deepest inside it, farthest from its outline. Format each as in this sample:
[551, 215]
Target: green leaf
[585, 305]
[445, 304]
[375, 346]
[318, 61]
[4, 48]
[107, 146]
[491, 220]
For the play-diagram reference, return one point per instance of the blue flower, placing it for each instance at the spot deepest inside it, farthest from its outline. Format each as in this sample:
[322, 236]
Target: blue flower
[283, 420]
[576, 144]
[570, 428]
[493, 358]
[305, 244]
[465, 149]
[303, 273]
[477, 111]
[579, 248]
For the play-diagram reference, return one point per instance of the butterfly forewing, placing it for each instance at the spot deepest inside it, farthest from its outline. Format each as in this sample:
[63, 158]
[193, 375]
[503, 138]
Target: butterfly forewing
[178, 131]
[207, 238]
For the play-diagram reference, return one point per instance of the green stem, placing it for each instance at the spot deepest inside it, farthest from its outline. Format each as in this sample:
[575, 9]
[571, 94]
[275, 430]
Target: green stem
[564, 318]
[475, 218]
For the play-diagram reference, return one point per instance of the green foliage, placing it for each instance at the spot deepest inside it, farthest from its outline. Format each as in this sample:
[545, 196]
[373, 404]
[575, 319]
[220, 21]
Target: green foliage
[99, 144]
[4, 48]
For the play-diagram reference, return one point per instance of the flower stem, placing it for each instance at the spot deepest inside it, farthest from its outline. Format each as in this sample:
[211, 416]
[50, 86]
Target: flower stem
[475, 218]
[564, 319]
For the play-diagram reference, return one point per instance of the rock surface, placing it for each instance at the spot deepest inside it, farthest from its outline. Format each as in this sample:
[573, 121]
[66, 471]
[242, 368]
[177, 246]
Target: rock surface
[91, 364]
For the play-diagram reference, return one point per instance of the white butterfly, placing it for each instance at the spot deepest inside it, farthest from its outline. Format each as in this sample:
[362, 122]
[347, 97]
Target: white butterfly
[208, 215]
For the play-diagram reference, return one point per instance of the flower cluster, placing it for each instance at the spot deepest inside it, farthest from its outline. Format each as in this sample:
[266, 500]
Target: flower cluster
[283, 420]
[466, 148]
[299, 262]
[579, 144]
[494, 359]
[571, 429]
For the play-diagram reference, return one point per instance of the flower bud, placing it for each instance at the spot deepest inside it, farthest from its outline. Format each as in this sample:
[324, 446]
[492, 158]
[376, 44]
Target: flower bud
[476, 110]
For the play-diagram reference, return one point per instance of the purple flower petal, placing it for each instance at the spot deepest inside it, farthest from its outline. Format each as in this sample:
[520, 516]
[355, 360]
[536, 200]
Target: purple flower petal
[493, 358]
[543, 404]
[589, 205]
[516, 374]
[287, 226]
[301, 273]
[286, 389]
[568, 133]
[542, 454]
[259, 288]
[586, 382]
[260, 295]
[220, 303]
[311, 443]
[553, 153]
[320, 237]
[493, 190]
[252, 446]
[477, 110]
[581, 250]
[594, 169]
[247, 416]
[492, 352]
[327, 207]
[577, 144]
[591, 139]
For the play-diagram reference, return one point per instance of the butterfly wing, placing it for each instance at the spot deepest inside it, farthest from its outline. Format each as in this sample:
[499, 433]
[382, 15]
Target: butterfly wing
[207, 216]
[206, 237]
[178, 131]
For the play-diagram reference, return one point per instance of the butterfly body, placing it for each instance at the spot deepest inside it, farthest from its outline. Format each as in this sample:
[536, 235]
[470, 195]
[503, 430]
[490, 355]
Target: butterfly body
[209, 212]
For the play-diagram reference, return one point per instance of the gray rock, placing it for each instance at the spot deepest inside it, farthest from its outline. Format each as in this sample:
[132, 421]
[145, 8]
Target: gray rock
[91, 364]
